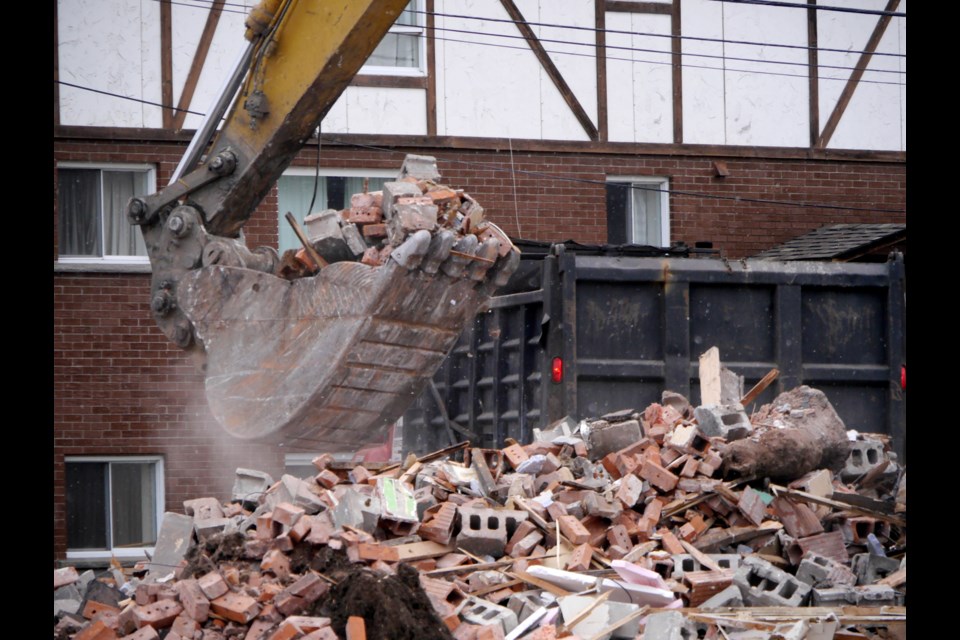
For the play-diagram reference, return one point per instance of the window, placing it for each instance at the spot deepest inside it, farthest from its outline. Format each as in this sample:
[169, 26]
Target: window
[295, 191]
[402, 50]
[91, 206]
[638, 211]
[114, 505]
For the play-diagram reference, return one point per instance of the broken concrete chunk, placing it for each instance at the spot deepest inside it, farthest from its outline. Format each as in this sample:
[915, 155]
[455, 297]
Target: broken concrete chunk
[173, 542]
[669, 625]
[419, 167]
[249, 485]
[354, 239]
[326, 237]
[604, 437]
[727, 421]
[392, 191]
[599, 618]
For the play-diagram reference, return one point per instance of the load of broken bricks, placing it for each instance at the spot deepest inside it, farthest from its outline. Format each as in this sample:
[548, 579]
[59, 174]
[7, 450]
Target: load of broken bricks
[671, 523]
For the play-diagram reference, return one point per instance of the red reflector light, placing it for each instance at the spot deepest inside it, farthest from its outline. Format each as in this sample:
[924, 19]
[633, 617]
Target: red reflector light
[556, 370]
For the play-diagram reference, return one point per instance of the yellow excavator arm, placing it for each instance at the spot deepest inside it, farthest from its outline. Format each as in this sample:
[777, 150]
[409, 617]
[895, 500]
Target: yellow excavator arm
[329, 360]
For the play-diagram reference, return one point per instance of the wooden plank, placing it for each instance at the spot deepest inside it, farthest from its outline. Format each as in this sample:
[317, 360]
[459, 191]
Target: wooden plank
[854, 79]
[759, 388]
[625, 6]
[440, 143]
[404, 552]
[541, 584]
[701, 557]
[584, 613]
[895, 579]
[389, 82]
[813, 72]
[196, 66]
[56, 68]
[166, 64]
[676, 44]
[565, 91]
[836, 504]
[431, 70]
[710, 376]
[600, 22]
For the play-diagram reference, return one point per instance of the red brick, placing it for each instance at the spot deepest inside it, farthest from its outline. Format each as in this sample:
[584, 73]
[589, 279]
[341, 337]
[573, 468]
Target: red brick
[375, 230]
[143, 633]
[669, 542]
[94, 608]
[212, 585]
[658, 476]
[236, 607]
[515, 455]
[328, 478]
[64, 576]
[580, 558]
[158, 615]
[287, 514]
[573, 530]
[96, 630]
[195, 604]
[356, 628]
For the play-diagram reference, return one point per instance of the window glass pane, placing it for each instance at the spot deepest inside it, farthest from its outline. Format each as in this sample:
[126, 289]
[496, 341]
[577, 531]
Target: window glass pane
[645, 215]
[397, 50]
[121, 237]
[78, 206]
[133, 504]
[294, 194]
[409, 16]
[86, 505]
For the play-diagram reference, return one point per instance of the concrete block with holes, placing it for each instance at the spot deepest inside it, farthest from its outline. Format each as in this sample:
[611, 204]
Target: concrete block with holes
[684, 562]
[485, 531]
[864, 456]
[763, 585]
[479, 611]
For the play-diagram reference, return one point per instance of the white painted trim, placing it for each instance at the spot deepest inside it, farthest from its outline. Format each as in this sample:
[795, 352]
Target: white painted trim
[664, 200]
[340, 173]
[159, 500]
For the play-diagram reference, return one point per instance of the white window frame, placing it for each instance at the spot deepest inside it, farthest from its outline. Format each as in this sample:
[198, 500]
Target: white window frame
[661, 183]
[421, 30]
[109, 261]
[121, 553]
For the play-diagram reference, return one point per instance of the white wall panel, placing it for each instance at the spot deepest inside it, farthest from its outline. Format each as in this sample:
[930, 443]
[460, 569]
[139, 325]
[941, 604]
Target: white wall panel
[653, 78]
[186, 25]
[621, 126]
[576, 62]
[767, 103]
[386, 111]
[336, 119]
[873, 117]
[703, 81]
[226, 46]
[150, 80]
[488, 90]
[99, 47]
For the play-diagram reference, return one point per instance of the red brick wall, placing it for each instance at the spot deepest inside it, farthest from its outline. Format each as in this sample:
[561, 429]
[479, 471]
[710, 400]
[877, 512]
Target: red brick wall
[121, 388]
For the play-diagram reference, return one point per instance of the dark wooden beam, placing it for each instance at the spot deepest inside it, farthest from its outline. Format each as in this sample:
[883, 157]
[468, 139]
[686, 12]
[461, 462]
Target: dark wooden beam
[431, 71]
[166, 63]
[600, 22]
[389, 82]
[854, 79]
[199, 57]
[466, 143]
[56, 68]
[676, 49]
[813, 71]
[625, 6]
[551, 69]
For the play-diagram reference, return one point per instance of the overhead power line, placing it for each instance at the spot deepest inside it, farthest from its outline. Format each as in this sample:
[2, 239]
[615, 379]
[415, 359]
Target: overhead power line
[817, 7]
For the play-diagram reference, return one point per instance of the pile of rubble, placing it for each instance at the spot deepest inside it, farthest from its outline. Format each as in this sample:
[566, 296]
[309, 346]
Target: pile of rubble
[617, 527]
[441, 223]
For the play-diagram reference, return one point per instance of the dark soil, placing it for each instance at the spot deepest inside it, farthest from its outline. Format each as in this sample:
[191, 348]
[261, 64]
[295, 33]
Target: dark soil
[204, 557]
[394, 607]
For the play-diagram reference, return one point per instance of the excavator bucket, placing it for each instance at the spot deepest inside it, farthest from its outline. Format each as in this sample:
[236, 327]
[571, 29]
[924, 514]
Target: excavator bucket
[332, 361]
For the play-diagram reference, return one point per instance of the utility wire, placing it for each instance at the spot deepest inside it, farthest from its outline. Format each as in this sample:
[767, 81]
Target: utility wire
[117, 95]
[663, 52]
[539, 174]
[651, 34]
[642, 50]
[692, 194]
[817, 7]
[203, 4]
